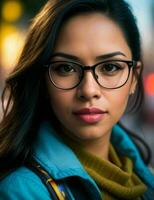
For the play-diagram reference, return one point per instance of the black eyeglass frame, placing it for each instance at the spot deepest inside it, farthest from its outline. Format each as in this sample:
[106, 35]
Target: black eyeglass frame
[130, 64]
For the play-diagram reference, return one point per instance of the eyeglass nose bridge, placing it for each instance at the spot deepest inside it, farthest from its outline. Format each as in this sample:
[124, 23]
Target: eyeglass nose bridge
[90, 68]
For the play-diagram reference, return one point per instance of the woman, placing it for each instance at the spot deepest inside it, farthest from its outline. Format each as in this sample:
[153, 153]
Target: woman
[60, 136]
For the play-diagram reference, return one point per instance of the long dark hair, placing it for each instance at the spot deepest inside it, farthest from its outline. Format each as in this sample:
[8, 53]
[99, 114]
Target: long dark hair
[27, 104]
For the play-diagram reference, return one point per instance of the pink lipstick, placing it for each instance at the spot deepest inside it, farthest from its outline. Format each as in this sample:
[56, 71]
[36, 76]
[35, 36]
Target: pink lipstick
[90, 115]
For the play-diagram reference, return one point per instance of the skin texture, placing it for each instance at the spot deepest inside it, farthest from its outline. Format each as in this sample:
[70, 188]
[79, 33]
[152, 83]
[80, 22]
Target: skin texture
[88, 36]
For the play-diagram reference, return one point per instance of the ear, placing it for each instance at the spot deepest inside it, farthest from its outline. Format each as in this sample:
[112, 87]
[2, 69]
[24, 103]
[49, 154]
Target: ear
[136, 73]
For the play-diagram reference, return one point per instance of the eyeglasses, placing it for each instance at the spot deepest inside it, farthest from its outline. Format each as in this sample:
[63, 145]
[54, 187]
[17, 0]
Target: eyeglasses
[109, 74]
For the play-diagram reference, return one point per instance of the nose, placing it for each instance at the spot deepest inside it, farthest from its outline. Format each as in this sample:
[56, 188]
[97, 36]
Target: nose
[88, 89]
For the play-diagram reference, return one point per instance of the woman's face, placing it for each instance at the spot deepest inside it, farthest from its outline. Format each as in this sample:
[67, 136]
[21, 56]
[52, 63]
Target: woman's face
[88, 112]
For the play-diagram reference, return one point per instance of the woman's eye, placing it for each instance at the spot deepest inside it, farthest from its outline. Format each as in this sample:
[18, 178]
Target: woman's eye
[63, 68]
[111, 68]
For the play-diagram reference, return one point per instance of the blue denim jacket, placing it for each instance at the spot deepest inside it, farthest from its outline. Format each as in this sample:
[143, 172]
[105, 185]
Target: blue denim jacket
[60, 162]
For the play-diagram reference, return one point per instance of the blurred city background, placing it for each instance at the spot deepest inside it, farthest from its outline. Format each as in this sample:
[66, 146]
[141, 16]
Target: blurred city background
[16, 16]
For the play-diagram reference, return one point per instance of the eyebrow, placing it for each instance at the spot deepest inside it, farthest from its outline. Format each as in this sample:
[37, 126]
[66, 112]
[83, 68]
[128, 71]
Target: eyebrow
[75, 58]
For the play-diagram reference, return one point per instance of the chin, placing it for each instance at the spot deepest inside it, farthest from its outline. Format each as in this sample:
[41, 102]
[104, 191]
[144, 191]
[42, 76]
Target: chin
[89, 136]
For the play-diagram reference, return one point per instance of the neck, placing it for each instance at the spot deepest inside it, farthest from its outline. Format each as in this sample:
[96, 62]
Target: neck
[98, 147]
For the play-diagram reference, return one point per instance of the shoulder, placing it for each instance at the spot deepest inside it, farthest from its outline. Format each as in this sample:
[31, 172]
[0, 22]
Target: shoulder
[23, 184]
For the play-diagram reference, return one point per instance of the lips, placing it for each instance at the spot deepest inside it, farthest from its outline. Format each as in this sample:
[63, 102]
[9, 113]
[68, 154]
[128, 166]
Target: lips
[90, 115]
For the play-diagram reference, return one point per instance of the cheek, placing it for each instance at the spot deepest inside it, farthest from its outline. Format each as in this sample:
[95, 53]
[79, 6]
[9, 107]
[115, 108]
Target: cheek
[118, 101]
[57, 98]
[60, 102]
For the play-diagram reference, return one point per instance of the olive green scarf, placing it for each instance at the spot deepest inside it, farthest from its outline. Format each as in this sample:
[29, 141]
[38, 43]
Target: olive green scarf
[115, 178]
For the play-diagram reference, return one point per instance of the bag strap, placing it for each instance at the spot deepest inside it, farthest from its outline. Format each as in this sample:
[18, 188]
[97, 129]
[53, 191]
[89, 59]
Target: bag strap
[52, 186]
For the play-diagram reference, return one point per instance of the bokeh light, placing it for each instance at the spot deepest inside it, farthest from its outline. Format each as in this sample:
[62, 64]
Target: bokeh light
[12, 10]
[11, 45]
[149, 84]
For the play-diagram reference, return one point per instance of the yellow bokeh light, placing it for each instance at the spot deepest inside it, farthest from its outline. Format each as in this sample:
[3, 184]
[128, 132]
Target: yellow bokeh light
[12, 40]
[6, 29]
[12, 10]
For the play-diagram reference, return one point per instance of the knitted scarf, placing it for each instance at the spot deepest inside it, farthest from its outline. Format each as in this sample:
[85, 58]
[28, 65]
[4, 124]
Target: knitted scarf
[115, 177]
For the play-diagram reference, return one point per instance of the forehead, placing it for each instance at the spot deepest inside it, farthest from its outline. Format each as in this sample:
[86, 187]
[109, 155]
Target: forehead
[92, 33]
